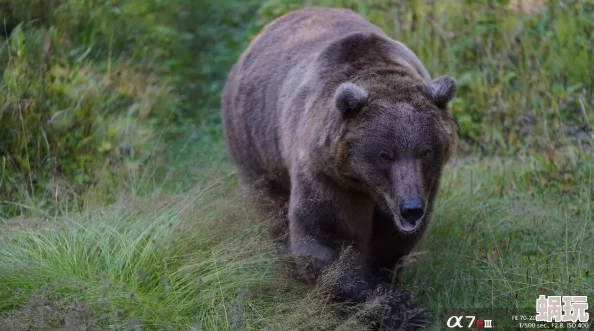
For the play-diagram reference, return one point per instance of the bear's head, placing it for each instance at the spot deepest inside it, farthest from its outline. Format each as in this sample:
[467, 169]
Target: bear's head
[396, 137]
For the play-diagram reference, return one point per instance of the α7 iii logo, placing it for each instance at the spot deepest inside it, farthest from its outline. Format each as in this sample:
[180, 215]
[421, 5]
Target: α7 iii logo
[468, 322]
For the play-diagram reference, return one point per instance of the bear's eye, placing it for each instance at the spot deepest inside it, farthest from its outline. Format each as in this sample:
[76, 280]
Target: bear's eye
[425, 153]
[385, 157]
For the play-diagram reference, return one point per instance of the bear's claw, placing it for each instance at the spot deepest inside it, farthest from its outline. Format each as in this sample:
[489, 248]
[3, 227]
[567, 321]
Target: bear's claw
[405, 314]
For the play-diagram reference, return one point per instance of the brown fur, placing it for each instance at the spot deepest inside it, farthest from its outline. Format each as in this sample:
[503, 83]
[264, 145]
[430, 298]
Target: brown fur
[334, 160]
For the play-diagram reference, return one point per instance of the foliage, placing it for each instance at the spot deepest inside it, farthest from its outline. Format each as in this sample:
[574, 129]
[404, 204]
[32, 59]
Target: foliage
[80, 100]
[110, 137]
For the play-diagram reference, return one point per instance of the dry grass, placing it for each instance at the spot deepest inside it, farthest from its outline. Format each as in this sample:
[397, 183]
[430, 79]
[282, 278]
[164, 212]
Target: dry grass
[528, 7]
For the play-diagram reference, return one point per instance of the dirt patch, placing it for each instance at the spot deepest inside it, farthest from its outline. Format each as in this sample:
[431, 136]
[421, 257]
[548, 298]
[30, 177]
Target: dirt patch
[42, 314]
[528, 7]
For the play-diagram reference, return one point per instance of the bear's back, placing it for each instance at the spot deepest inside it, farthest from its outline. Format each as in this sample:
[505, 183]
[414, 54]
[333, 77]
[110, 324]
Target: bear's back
[268, 75]
[267, 90]
[287, 48]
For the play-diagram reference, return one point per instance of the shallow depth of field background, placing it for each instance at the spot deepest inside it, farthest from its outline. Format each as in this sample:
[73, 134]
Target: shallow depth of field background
[119, 209]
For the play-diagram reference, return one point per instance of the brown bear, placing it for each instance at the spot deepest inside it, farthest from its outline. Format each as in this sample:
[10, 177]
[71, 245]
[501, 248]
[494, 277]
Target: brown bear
[344, 131]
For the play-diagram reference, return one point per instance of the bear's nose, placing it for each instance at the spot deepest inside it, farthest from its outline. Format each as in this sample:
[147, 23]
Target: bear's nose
[412, 210]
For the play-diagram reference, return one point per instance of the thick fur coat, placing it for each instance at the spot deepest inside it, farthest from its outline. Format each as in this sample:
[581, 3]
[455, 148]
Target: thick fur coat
[344, 134]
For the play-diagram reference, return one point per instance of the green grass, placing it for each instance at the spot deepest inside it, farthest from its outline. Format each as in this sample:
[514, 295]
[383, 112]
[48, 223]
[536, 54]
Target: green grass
[82, 92]
[149, 265]
[197, 261]
[119, 209]
[513, 239]
[201, 258]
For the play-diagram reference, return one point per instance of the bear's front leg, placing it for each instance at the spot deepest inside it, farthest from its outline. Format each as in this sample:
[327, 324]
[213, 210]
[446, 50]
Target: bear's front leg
[327, 223]
[389, 245]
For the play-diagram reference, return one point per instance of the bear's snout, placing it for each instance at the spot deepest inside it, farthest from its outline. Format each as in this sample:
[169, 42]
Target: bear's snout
[411, 210]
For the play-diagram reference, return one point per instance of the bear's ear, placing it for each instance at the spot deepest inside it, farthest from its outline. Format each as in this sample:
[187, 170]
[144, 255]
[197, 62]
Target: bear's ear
[442, 90]
[350, 99]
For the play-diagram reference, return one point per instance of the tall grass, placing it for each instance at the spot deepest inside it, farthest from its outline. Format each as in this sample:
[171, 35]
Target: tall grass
[201, 260]
[168, 264]
[197, 261]
[512, 239]
[112, 217]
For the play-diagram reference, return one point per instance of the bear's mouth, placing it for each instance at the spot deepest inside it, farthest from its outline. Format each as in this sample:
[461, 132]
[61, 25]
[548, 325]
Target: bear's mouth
[408, 227]
[404, 226]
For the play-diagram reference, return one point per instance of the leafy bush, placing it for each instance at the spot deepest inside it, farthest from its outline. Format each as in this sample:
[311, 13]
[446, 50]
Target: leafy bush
[83, 89]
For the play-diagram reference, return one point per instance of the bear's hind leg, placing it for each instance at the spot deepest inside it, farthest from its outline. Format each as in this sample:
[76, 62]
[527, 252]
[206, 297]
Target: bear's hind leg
[272, 200]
